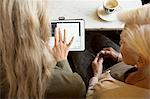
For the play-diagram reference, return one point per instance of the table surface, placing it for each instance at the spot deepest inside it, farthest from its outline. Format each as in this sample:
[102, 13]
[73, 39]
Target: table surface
[86, 9]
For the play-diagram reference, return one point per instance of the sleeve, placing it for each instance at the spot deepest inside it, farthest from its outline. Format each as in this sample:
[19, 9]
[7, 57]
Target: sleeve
[103, 81]
[64, 84]
[96, 80]
[64, 65]
[93, 81]
[107, 87]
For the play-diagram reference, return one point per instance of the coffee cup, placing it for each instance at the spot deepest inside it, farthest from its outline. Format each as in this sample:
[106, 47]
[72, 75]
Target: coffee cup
[110, 6]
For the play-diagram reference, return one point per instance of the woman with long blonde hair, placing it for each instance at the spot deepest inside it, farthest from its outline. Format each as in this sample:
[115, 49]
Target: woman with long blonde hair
[27, 67]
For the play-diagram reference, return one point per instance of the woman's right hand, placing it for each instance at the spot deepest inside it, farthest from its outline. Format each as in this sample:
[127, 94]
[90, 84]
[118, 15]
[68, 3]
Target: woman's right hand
[111, 53]
[61, 48]
[97, 65]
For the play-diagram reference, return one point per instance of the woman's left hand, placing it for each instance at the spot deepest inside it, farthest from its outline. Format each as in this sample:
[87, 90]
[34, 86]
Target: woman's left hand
[61, 48]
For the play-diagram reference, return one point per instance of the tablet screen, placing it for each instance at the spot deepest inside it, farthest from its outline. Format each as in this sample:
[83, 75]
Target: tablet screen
[73, 29]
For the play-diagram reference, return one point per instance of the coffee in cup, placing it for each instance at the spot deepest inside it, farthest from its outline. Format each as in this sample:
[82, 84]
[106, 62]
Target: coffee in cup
[110, 6]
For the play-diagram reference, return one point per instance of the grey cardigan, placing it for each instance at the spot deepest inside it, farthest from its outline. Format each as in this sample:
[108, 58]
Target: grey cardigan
[63, 83]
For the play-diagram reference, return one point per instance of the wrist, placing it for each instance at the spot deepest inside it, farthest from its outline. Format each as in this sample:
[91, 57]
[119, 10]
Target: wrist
[96, 74]
[60, 59]
[119, 57]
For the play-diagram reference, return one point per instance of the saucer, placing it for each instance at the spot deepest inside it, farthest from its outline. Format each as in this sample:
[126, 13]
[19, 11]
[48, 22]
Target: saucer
[107, 17]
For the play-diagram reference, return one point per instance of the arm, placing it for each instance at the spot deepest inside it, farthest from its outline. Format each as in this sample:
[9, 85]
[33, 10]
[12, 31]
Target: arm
[63, 84]
[64, 65]
[93, 81]
[97, 70]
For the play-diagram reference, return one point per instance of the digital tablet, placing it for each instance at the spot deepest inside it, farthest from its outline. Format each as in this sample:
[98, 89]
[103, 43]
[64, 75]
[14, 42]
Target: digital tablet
[74, 27]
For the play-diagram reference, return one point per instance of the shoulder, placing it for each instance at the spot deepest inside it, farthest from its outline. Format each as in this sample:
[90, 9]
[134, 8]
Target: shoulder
[65, 84]
[110, 87]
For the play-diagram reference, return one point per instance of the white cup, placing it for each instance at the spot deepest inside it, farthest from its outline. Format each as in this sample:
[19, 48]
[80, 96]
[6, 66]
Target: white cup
[110, 6]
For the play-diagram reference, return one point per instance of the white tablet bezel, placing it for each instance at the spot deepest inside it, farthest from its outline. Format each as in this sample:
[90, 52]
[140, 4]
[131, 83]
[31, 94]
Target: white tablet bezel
[82, 31]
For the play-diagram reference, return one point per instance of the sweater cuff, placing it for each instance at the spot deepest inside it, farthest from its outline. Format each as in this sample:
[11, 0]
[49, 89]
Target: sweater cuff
[64, 64]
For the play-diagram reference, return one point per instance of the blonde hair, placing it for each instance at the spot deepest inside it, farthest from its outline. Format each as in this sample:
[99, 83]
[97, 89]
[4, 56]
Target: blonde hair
[137, 38]
[139, 15]
[136, 33]
[24, 52]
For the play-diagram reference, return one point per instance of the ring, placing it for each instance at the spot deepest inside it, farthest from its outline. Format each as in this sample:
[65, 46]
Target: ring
[68, 44]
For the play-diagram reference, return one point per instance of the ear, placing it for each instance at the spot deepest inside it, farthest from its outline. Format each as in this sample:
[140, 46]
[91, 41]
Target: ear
[142, 61]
